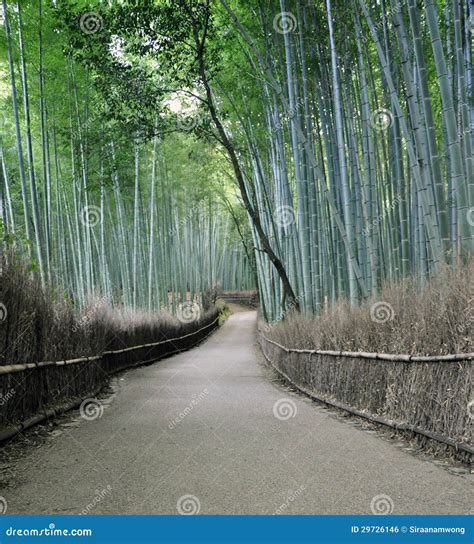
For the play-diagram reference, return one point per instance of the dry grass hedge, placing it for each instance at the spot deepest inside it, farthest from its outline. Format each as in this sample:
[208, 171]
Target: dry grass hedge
[38, 325]
[432, 397]
[429, 397]
[435, 320]
[42, 325]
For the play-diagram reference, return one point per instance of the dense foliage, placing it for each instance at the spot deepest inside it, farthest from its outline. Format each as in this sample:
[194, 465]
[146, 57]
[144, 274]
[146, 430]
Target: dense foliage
[329, 142]
[101, 202]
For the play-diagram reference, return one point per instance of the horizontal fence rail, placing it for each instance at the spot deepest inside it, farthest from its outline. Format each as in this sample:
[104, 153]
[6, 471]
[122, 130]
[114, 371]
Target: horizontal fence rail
[427, 395]
[248, 298]
[379, 356]
[9, 369]
[29, 390]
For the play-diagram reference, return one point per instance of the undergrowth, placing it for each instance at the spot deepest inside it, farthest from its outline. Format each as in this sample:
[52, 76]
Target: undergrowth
[43, 325]
[436, 319]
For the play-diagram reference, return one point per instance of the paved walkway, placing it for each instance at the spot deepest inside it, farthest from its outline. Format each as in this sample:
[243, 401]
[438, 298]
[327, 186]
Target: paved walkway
[212, 431]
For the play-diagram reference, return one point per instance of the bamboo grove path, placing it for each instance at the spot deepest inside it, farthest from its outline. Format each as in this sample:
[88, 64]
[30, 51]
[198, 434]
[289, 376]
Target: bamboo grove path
[198, 432]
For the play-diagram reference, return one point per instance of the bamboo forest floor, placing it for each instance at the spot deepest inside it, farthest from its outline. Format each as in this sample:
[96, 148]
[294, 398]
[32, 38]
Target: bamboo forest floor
[214, 431]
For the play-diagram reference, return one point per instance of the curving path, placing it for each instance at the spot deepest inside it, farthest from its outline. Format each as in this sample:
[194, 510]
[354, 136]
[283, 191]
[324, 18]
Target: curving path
[201, 425]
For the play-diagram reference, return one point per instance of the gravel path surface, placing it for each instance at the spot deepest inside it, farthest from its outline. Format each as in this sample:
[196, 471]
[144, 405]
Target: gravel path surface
[212, 430]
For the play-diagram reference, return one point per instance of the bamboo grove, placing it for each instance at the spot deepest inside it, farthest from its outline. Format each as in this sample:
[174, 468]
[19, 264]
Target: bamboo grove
[100, 213]
[362, 160]
[340, 131]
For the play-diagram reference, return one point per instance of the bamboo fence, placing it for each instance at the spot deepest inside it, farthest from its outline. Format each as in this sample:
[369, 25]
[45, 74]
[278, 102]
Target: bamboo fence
[31, 392]
[248, 298]
[429, 396]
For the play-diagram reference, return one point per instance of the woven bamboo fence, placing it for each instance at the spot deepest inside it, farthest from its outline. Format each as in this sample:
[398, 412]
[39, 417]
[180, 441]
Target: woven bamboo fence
[29, 390]
[430, 396]
[247, 298]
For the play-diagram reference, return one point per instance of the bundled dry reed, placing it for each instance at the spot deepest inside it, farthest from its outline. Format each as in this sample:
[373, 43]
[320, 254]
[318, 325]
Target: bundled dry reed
[435, 319]
[39, 326]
